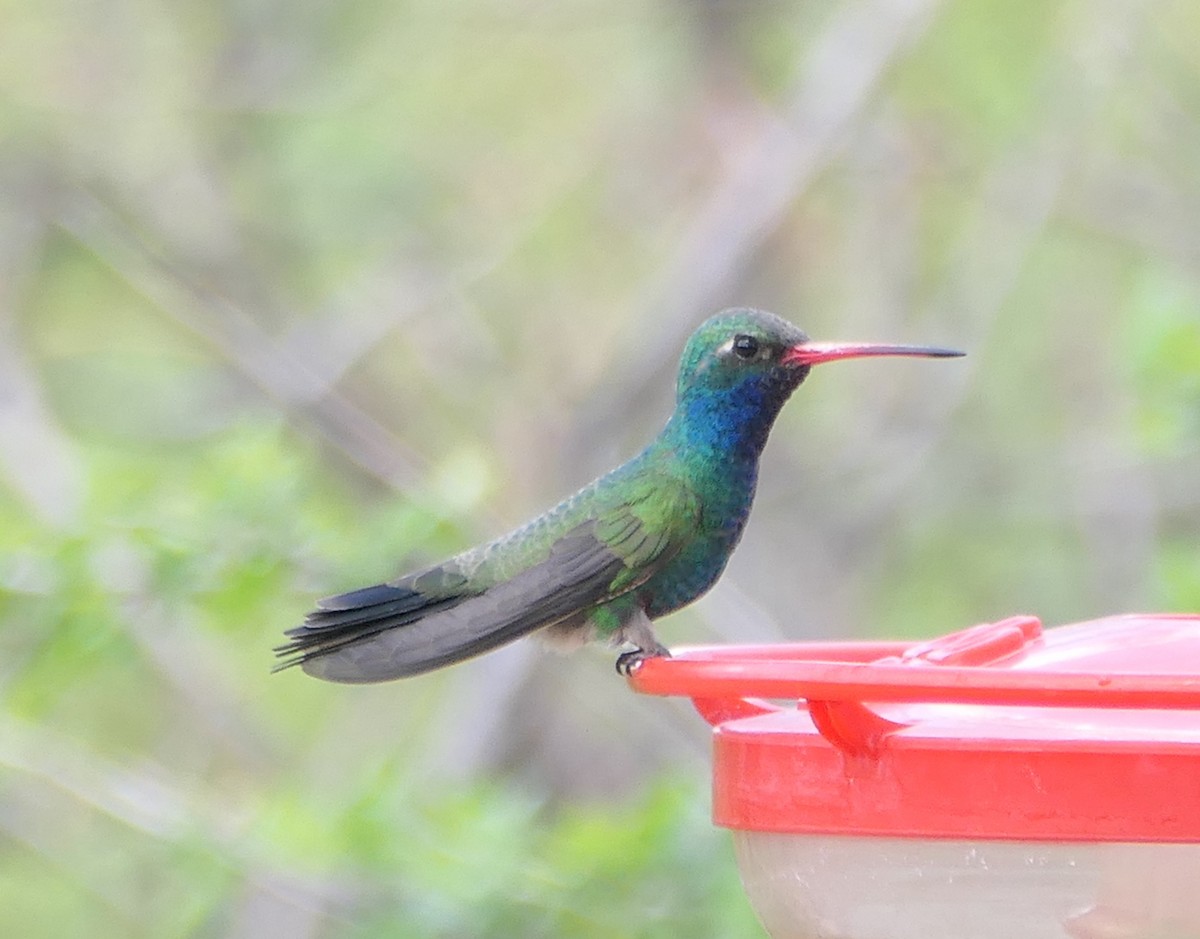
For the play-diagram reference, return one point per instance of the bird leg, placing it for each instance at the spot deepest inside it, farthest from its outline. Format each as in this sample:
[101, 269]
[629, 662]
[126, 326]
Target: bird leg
[639, 631]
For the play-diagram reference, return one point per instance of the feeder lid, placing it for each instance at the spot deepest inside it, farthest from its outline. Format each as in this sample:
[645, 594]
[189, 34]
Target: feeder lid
[1083, 732]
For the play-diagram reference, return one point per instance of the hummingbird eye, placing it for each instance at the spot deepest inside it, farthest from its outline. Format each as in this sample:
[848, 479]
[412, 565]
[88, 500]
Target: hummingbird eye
[745, 347]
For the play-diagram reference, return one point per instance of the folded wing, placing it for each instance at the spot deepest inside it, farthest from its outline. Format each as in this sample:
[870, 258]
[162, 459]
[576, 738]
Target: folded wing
[445, 614]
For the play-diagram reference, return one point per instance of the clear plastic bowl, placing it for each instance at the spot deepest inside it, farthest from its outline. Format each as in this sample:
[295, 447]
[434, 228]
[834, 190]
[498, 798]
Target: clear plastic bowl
[856, 887]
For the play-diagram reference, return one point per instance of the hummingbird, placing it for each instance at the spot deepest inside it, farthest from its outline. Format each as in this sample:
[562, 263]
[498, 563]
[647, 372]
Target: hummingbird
[636, 544]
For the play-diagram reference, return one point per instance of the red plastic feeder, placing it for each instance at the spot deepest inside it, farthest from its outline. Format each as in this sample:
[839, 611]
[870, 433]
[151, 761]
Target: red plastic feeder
[1002, 782]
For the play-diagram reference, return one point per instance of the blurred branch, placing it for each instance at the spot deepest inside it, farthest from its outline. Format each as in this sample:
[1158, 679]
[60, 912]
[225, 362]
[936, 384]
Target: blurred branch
[355, 321]
[153, 805]
[187, 661]
[27, 819]
[276, 906]
[765, 175]
[1019, 196]
[285, 375]
[141, 801]
[36, 456]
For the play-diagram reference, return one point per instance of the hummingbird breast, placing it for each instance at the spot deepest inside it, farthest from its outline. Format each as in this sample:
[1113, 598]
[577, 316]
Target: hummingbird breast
[726, 497]
[713, 441]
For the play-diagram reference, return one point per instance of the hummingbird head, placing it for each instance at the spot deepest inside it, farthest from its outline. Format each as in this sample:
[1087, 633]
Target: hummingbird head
[741, 348]
[740, 366]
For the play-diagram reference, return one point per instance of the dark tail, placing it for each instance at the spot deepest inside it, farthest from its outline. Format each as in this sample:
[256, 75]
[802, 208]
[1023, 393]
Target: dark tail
[441, 616]
[348, 619]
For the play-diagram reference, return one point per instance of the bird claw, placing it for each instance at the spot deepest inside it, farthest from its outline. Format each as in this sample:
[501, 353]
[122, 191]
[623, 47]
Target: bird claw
[629, 662]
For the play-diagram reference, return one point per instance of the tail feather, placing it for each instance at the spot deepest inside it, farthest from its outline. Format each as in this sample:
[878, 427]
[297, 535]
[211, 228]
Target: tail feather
[348, 618]
[441, 616]
[362, 606]
[363, 597]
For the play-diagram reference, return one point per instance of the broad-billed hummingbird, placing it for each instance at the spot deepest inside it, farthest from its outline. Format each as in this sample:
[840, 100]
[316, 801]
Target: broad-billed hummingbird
[640, 542]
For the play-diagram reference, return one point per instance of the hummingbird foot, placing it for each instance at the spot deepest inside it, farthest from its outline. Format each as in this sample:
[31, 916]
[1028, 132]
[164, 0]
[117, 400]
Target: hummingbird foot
[639, 631]
[628, 662]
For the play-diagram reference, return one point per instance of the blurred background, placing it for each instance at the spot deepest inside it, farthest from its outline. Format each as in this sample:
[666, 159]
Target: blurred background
[294, 296]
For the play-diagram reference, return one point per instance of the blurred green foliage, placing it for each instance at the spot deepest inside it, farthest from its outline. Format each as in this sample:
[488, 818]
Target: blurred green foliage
[170, 833]
[294, 296]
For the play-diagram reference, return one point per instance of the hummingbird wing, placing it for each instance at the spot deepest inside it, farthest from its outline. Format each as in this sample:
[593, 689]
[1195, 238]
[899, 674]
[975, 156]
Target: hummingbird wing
[586, 551]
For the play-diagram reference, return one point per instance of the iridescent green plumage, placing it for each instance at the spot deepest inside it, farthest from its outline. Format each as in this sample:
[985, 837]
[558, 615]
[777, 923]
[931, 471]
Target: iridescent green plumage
[641, 541]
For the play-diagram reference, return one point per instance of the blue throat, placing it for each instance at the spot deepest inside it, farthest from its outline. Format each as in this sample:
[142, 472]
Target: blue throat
[725, 425]
[715, 438]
